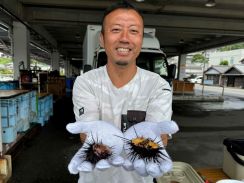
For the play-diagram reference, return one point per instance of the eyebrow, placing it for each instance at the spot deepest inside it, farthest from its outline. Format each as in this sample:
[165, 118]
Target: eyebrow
[133, 25]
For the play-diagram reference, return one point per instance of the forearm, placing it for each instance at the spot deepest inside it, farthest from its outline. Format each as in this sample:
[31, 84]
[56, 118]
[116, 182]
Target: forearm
[82, 137]
[165, 139]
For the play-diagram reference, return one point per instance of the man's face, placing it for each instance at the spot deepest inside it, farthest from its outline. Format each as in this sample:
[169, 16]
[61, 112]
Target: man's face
[122, 37]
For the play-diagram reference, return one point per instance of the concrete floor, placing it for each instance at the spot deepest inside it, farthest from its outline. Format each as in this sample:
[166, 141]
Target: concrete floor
[44, 159]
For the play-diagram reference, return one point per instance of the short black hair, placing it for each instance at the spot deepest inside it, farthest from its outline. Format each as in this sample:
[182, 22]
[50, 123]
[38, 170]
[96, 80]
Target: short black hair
[119, 5]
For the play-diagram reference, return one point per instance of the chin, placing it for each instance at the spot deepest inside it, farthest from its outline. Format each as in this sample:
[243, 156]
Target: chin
[122, 63]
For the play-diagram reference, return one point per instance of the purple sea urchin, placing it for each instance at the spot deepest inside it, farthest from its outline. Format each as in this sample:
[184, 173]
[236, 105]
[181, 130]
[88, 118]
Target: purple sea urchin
[95, 151]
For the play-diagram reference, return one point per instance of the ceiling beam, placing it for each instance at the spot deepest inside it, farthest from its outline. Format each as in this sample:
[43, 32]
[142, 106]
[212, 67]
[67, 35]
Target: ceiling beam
[222, 41]
[231, 26]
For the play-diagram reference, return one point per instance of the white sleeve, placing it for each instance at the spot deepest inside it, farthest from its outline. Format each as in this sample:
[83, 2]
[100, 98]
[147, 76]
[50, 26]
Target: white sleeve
[86, 106]
[160, 102]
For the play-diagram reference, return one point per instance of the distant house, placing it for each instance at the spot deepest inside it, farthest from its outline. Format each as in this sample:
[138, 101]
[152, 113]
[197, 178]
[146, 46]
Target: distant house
[234, 76]
[214, 74]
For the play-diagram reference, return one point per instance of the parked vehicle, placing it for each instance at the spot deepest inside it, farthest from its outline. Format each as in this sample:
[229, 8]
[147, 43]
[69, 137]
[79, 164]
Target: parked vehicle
[151, 57]
[197, 79]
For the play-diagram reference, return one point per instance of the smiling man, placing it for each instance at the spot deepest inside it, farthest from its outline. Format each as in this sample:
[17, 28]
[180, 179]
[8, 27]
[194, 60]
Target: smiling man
[120, 92]
[122, 35]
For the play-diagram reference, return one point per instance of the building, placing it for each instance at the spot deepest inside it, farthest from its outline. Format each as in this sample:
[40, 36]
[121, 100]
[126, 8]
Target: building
[214, 74]
[234, 76]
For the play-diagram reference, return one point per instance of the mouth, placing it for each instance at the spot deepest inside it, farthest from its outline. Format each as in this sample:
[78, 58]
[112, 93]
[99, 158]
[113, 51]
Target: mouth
[123, 51]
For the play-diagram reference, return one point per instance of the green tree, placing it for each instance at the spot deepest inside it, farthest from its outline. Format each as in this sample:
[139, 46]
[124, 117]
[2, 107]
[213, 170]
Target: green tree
[5, 60]
[6, 71]
[224, 62]
[199, 58]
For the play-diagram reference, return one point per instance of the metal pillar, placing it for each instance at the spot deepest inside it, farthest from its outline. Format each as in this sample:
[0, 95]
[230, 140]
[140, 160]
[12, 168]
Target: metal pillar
[55, 60]
[20, 47]
[181, 67]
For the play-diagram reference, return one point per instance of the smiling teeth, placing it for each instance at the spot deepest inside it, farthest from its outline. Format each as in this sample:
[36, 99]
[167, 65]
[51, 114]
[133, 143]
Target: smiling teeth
[123, 49]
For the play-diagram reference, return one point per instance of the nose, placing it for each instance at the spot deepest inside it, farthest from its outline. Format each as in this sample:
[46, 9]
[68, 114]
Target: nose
[124, 36]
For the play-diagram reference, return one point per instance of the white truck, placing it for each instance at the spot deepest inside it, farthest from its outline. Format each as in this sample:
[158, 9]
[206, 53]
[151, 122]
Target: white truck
[151, 57]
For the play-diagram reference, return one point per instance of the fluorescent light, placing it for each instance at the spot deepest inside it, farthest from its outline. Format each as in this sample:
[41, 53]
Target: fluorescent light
[39, 48]
[76, 59]
[181, 41]
[3, 27]
[210, 3]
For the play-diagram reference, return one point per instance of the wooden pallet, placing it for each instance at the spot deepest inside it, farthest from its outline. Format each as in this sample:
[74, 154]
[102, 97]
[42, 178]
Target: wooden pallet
[5, 168]
[212, 175]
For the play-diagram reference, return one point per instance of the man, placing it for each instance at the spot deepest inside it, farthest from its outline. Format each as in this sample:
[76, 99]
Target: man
[121, 88]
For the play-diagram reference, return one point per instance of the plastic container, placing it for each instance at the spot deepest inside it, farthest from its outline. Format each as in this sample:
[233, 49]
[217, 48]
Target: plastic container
[33, 106]
[8, 112]
[229, 181]
[43, 110]
[69, 83]
[46, 108]
[41, 120]
[23, 113]
[182, 173]
[9, 134]
[50, 104]
[9, 85]
[233, 163]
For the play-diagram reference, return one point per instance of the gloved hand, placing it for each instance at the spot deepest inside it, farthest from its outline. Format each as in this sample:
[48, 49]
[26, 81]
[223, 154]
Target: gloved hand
[144, 148]
[101, 149]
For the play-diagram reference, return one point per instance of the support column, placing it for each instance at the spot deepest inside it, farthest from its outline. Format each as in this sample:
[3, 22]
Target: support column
[20, 47]
[182, 67]
[67, 68]
[55, 60]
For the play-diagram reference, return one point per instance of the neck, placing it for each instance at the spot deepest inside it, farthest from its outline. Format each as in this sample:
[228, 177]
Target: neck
[120, 76]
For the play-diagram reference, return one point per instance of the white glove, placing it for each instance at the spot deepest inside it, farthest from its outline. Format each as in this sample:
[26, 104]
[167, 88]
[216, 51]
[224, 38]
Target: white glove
[152, 159]
[101, 149]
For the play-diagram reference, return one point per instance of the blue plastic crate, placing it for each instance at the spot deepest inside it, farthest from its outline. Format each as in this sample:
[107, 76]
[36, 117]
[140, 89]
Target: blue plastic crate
[33, 106]
[33, 101]
[41, 107]
[9, 134]
[23, 102]
[50, 105]
[41, 120]
[23, 106]
[25, 126]
[8, 121]
[9, 111]
[46, 106]
[8, 106]
[9, 85]
[69, 82]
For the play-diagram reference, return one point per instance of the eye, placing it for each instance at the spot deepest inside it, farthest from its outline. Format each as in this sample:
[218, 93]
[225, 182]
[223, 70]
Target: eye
[115, 30]
[134, 31]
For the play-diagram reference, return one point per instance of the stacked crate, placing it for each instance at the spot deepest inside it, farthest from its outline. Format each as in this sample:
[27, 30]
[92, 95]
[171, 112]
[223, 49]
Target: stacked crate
[33, 106]
[23, 123]
[45, 108]
[9, 111]
[18, 109]
[21, 109]
[9, 85]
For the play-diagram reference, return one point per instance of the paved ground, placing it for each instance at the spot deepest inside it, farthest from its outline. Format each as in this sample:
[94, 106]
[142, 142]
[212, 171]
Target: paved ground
[44, 159]
[201, 135]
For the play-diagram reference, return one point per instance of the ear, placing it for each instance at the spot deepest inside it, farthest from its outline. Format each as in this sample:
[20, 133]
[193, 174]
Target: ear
[101, 40]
